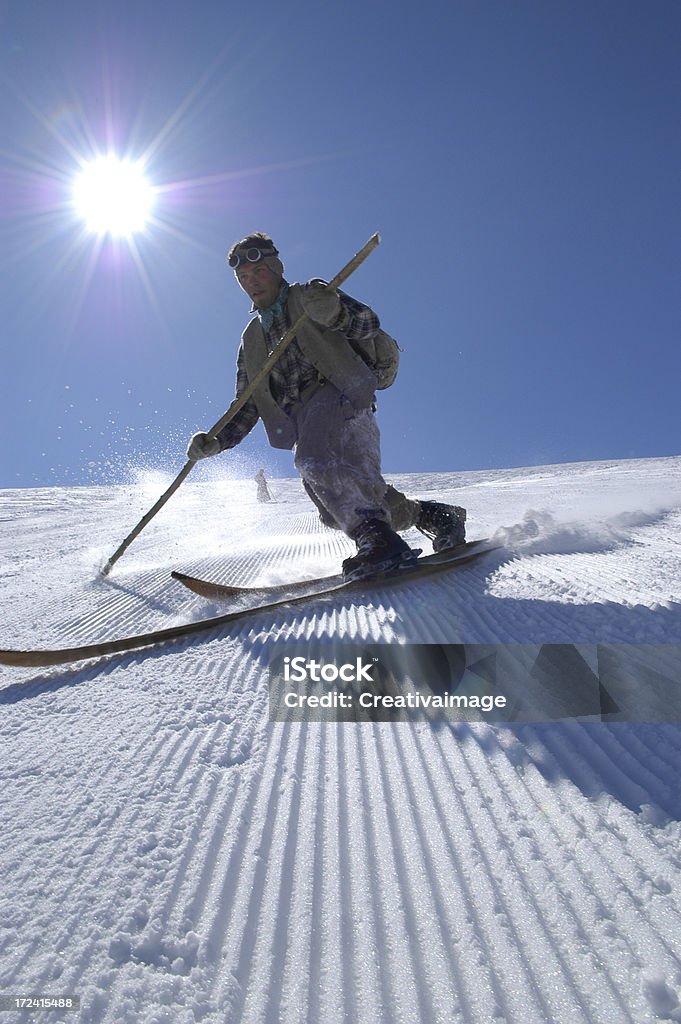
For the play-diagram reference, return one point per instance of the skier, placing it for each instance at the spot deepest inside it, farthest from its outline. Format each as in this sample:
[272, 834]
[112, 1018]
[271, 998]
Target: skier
[319, 400]
[263, 489]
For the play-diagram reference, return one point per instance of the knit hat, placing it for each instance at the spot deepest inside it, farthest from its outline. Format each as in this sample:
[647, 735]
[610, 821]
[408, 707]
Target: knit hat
[274, 263]
[262, 242]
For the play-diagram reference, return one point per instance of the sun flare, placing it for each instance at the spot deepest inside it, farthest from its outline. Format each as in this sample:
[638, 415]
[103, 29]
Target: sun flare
[113, 196]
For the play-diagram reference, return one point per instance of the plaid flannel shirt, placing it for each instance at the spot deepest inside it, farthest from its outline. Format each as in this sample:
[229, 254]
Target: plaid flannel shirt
[293, 373]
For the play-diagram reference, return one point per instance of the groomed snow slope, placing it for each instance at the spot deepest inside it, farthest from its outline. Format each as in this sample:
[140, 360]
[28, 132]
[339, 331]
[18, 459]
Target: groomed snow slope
[168, 855]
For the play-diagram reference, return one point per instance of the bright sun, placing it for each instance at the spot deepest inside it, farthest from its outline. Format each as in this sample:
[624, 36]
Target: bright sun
[113, 196]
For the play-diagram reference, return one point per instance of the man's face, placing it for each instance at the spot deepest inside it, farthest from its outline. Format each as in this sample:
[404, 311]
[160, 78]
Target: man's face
[259, 282]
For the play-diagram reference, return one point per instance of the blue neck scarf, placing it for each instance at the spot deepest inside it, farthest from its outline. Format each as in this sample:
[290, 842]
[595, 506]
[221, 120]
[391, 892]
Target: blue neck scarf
[267, 315]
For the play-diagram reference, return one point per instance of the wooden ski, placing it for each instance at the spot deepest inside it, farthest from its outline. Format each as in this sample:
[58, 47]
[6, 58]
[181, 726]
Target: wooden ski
[43, 658]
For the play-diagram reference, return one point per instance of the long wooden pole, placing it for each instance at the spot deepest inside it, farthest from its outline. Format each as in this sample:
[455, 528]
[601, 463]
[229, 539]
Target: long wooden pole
[239, 402]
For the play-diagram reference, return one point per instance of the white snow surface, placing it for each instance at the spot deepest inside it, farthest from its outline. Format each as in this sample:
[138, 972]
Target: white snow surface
[169, 855]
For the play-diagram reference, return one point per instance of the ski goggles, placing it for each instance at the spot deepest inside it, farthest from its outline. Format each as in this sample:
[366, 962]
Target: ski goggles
[252, 255]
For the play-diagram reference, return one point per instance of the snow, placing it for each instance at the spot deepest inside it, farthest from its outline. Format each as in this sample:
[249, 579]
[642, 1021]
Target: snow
[170, 855]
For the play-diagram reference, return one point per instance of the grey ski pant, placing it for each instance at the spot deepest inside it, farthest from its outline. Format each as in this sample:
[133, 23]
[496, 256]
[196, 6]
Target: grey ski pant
[338, 455]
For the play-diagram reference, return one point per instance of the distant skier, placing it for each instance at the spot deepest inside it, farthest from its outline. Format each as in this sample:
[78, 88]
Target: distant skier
[263, 489]
[319, 400]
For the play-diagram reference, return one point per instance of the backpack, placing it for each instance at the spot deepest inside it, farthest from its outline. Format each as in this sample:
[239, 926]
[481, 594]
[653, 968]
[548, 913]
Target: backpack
[382, 355]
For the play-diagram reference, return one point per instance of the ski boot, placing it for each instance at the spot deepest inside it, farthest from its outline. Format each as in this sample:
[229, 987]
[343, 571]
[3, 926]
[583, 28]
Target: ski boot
[379, 550]
[445, 525]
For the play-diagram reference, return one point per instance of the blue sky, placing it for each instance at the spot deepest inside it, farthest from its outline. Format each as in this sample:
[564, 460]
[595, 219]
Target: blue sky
[521, 161]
